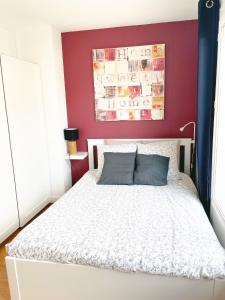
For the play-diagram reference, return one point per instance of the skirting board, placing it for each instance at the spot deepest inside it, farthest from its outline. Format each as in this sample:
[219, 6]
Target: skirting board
[53, 199]
[46, 280]
[23, 220]
[32, 213]
[7, 232]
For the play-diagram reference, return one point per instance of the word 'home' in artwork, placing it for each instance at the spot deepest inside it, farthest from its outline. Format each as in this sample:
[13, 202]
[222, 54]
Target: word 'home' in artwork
[129, 83]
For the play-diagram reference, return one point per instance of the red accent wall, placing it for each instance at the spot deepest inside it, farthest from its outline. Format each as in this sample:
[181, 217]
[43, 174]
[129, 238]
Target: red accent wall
[180, 81]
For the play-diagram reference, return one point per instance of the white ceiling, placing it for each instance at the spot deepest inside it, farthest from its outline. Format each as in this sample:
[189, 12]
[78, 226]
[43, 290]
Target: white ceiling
[71, 15]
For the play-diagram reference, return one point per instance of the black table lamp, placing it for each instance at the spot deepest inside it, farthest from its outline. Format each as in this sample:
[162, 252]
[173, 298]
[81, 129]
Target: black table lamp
[71, 135]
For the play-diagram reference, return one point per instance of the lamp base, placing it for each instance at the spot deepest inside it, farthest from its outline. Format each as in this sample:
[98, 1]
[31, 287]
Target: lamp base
[72, 147]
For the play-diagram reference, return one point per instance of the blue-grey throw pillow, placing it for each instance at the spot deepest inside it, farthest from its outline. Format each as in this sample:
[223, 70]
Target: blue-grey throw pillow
[151, 170]
[118, 169]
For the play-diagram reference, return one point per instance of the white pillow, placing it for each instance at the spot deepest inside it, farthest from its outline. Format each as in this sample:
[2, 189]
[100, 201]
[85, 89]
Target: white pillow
[123, 148]
[164, 148]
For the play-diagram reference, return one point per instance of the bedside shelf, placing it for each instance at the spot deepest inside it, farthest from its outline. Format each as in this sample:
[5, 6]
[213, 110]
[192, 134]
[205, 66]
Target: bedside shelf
[78, 156]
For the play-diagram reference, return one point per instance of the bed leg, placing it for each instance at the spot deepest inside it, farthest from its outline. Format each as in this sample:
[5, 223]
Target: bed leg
[12, 278]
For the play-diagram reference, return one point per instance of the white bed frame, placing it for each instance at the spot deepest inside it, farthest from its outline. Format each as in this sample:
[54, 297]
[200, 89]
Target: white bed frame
[40, 280]
[186, 143]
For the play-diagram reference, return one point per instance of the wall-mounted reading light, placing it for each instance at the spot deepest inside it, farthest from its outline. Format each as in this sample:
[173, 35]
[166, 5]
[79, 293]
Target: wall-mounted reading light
[193, 149]
[189, 123]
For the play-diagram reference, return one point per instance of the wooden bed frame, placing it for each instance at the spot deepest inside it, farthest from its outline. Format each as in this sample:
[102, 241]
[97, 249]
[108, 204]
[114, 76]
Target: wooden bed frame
[35, 280]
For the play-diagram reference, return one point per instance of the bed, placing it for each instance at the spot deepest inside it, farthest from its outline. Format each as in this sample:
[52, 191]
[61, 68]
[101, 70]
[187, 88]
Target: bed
[99, 242]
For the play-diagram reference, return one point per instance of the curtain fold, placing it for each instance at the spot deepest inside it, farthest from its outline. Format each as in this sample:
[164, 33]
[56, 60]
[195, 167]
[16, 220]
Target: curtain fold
[208, 14]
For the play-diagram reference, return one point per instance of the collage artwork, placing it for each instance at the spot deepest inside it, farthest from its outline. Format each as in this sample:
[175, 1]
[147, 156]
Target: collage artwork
[129, 83]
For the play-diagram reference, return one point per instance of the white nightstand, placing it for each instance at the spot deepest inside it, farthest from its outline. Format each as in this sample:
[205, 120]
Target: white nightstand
[78, 156]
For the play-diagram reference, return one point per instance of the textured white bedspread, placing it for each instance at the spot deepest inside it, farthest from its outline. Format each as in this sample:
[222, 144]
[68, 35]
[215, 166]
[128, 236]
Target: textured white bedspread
[158, 230]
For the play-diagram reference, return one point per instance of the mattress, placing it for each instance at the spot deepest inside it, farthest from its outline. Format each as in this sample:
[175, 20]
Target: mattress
[156, 230]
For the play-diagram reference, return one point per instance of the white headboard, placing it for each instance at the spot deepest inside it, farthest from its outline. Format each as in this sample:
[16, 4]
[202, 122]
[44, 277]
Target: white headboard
[185, 144]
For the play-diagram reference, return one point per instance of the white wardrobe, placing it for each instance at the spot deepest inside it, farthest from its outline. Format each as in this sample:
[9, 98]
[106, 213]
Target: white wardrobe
[24, 169]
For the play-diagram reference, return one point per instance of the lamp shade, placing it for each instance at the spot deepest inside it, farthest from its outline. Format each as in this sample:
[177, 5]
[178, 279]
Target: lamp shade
[71, 134]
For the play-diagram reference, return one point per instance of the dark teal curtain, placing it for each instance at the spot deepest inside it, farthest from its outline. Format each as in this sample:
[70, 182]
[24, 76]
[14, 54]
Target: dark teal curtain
[208, 13]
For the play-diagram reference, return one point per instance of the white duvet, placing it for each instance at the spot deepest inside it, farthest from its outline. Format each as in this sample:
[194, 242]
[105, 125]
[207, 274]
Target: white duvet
[157, 230]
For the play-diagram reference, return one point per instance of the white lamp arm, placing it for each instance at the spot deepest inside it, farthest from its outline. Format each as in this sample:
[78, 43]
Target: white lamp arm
[189, 123]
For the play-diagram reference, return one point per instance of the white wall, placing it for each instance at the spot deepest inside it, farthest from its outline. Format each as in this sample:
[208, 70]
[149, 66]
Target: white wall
[222, 12]
[218, 187]
[36, 41]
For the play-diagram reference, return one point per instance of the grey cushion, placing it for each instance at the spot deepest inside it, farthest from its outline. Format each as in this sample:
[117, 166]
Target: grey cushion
[151, 169]
[118, 168]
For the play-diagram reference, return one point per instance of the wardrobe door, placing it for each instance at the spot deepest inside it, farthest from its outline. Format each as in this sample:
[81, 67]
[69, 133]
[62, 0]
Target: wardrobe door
[23, 94]
[8, 206]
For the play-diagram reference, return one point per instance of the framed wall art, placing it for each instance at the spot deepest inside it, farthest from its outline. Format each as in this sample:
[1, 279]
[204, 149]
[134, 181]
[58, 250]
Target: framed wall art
[129, 83]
